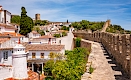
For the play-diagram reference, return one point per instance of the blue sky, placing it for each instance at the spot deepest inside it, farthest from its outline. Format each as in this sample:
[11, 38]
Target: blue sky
[118, 11]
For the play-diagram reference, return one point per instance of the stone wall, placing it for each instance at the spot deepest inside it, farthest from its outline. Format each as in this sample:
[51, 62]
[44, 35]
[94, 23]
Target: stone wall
[117, 45]
[84, 44]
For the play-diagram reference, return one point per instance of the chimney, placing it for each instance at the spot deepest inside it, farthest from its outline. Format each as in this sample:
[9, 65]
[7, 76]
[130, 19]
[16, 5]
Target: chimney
[1, 7]
[19, 41]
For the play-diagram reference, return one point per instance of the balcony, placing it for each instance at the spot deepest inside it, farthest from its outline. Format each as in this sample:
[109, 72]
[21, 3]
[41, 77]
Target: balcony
[37, 60]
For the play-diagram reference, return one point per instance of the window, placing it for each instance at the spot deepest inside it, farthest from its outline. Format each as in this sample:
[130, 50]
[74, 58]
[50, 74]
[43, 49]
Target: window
[5, 55]
[42, 55]
[33, 55]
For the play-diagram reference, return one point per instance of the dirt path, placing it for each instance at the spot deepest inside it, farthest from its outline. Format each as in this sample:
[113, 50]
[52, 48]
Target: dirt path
[105, 67]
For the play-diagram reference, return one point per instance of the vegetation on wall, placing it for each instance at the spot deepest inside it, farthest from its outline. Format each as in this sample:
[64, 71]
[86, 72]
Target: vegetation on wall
[70, 69]
[78, 42]
[26, 23]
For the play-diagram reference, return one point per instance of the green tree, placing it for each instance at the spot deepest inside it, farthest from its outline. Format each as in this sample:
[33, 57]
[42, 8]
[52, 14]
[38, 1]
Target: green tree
[67, 21]
[49, 66]
[78, 42]
[42, 32]
[52, 55]
[64, 34]
[15, 19]
[26, 23]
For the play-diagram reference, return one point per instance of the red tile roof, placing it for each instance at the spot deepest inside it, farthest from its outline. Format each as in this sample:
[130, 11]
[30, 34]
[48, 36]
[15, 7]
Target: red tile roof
[35, 32]
[12, 34]
[31, 76]
[43, 47]
[3, 35]
[7, 26]
[6, 48]
[2, 40]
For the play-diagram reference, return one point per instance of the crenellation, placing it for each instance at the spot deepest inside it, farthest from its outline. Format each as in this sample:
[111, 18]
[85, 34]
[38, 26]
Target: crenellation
[117, 45]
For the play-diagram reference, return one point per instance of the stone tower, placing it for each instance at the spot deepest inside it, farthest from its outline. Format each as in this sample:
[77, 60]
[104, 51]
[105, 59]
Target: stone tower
[106, 25]
[37, 16]
[19, 62]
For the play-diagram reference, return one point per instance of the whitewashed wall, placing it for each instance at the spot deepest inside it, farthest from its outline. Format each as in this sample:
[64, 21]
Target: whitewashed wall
[8, 17]
[9, 60]
[5, 72]
[8, 44]
[46, 53]
[31, 35]
[9, 30]
[2, 17]
[3, 29]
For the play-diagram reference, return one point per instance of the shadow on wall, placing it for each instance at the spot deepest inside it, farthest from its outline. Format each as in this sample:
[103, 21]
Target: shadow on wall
[119, 73]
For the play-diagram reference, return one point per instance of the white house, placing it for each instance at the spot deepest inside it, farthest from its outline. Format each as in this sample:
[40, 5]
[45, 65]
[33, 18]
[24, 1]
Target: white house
[45, 39]
[13, 61]
[7, 28]
[38, 54]
[5, 16]
[34, 34]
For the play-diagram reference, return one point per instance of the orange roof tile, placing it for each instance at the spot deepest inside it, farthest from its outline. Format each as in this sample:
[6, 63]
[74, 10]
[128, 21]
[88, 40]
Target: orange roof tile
[12, 34]
[43, 47]
[31, 76]
[7, 26]
[35, 32]
[2, 40]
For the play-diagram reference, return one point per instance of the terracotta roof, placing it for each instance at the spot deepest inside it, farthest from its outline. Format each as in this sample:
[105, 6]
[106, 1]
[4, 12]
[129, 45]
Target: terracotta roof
[7, 26]
[42, 47]
[45, 37]
[6, 48]
[31, 76]
[12, 34]
[2, 40]
[35, 32]
[4, 35]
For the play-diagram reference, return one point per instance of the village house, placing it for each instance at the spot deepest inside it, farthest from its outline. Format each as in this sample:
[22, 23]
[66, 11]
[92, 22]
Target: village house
[34, 34]
[38, 54]
[5, 16]
[45, 39]
[13, 61]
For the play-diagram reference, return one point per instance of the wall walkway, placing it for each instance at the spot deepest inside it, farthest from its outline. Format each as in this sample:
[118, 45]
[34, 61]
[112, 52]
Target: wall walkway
[117, 45]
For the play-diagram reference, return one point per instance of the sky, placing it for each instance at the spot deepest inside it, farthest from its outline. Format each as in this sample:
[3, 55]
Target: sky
[118, 11]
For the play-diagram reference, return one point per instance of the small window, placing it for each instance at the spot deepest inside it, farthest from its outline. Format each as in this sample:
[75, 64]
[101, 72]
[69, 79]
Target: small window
[5, 55]
[33, 55]
[42, 55]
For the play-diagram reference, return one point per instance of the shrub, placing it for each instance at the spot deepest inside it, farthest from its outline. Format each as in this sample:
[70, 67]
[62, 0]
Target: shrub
[91, 69]
[49, 78]
[64, 34]
[78, 42]
[57, 35]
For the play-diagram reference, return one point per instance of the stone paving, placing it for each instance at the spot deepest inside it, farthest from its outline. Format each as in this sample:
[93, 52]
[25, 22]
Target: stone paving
[105, 67]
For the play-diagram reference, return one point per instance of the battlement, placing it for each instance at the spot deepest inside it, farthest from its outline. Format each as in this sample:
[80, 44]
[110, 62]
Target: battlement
[117, 45]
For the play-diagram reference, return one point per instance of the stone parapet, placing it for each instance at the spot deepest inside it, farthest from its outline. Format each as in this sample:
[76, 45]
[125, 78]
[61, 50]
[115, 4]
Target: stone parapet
[118, 45]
